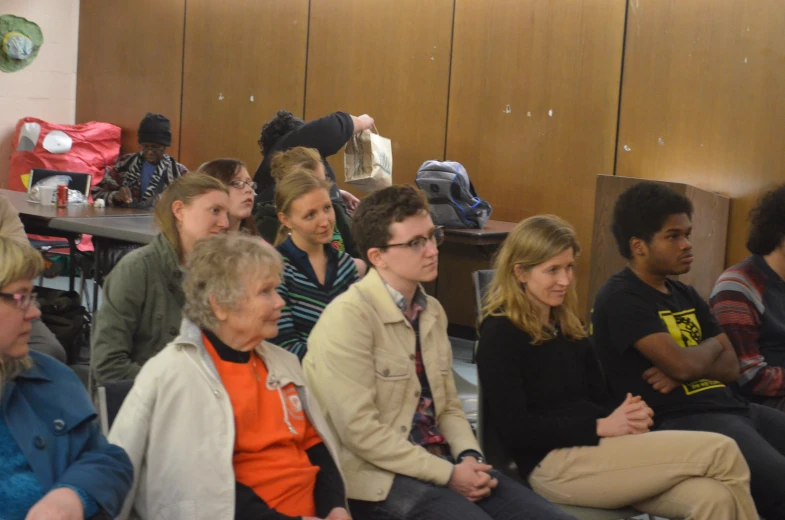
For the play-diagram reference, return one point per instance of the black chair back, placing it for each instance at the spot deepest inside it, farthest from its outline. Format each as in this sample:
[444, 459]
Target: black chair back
[481, 280]
[111, 395]
[488, 437]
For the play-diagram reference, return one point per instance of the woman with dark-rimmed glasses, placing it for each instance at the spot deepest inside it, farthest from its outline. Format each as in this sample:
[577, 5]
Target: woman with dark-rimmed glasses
[242, 190]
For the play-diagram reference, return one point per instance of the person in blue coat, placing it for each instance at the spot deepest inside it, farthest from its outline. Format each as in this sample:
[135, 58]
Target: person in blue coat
[54, 461]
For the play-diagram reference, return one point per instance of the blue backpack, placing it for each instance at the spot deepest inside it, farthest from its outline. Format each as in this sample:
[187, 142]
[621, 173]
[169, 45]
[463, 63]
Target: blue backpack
[454, 201]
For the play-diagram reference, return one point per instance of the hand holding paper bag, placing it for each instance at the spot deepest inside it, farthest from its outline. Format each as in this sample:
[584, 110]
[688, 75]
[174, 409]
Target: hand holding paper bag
[367, 161]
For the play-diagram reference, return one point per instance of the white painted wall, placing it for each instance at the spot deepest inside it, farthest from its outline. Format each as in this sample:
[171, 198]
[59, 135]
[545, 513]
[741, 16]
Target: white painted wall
[46, 88]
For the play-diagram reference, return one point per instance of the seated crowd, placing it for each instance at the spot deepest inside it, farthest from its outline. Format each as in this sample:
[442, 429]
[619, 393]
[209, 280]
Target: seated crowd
[287, 362]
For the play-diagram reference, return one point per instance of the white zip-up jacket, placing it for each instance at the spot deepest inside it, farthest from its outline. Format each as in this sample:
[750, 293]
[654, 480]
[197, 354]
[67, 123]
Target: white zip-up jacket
[177, 426]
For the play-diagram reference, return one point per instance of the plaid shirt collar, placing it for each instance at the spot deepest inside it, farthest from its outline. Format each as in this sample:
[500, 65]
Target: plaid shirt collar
[419, 302]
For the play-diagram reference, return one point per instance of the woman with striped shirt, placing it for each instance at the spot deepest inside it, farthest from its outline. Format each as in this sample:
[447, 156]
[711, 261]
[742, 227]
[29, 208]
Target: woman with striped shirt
[314, 271]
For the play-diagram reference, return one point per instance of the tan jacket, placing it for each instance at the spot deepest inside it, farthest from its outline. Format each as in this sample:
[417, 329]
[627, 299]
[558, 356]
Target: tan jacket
[177, 426]
[361, 367]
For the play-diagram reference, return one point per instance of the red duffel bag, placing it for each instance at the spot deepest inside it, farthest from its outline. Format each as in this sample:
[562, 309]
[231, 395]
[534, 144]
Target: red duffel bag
[85, 148]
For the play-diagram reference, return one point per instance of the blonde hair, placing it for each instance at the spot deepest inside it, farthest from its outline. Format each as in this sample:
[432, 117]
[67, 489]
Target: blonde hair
[221, 266]
[185, 189]
[20, 262]
[293, 159]
[532, 242]
[296, 184]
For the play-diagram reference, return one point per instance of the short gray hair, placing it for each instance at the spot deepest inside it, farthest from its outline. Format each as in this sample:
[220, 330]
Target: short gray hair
[220, 266]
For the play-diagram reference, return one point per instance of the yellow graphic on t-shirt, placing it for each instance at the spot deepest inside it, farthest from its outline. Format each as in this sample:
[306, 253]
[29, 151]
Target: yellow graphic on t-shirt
[685, 329]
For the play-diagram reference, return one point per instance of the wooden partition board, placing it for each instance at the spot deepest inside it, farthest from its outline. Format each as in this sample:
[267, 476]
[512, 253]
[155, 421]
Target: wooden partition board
[710, 227]
[244, 60]
[130, 63]
[533, 108]
[702, 99]
[390, 60]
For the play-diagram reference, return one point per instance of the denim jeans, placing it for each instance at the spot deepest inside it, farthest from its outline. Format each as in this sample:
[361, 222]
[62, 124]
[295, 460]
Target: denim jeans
[412, 499]
[761, 438]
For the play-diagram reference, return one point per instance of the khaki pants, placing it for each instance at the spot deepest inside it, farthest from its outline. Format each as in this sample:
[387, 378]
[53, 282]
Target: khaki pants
[677, 474]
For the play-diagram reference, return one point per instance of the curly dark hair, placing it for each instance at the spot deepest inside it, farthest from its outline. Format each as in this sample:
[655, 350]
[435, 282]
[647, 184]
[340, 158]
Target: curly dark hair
[378, 211]
[277, 127]
[642, 210]
[767, 222]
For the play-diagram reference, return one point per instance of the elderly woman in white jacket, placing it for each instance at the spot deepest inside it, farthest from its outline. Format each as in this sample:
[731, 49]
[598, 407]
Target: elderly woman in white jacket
[219, 425]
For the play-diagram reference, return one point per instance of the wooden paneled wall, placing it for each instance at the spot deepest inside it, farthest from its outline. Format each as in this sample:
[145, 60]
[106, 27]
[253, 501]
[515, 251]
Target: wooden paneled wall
[535, 98]
[702, 99]
[390, 60]
[130, 63]
[244, 60]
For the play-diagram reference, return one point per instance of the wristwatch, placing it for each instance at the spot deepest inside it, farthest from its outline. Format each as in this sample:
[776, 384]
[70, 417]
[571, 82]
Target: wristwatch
[471, 453]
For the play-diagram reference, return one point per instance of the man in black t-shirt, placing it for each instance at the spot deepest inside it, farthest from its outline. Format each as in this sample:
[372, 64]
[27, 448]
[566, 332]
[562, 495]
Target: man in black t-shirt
[656, 337]
[327, 134]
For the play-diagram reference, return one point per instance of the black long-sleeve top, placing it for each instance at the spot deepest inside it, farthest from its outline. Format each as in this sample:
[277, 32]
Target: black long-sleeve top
[327, 134]
[539, 397]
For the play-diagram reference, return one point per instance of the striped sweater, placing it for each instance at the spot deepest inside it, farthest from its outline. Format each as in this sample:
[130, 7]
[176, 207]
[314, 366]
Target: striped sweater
[305, 297]
[748, 301]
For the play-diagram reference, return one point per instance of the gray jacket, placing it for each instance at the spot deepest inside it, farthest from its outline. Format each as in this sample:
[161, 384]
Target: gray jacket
[141, 311]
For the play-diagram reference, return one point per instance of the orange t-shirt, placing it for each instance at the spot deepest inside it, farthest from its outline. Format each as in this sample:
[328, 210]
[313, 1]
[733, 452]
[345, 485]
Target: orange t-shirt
[269, 458]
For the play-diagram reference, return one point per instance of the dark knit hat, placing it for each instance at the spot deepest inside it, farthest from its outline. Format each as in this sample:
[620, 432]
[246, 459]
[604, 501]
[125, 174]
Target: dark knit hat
[155, 128]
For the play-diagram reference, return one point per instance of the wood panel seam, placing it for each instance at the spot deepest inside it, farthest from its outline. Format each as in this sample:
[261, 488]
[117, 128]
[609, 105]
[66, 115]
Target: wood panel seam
[621, 84]
[182, 83]
[449, 81]
[307, 44]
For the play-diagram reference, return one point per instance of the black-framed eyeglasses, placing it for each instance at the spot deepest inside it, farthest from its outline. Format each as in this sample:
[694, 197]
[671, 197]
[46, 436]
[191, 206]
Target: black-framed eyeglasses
[417, 244]
[240, 185]
[23, 301]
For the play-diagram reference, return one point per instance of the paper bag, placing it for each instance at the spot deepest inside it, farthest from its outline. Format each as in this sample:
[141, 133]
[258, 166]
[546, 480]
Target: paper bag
[367, 161]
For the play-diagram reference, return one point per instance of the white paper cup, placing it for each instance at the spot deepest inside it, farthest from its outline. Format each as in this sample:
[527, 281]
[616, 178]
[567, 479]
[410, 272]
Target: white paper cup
[47, 194]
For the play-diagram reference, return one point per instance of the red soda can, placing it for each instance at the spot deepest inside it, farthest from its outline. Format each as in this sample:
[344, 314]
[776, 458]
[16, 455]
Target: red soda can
[62, 196]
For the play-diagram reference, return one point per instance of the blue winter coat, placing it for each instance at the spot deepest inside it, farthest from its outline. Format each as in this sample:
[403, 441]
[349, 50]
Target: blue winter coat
[49, 414]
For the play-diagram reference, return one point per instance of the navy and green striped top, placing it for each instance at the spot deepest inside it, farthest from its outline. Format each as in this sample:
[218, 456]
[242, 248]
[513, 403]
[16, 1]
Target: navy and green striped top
[305, 297]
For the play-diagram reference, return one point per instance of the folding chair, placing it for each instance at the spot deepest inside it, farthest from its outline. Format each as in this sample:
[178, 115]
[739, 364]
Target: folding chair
[480, 281]
[111, 395]
[82, 183]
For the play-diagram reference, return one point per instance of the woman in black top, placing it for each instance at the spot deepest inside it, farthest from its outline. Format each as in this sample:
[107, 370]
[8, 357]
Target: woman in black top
[546, 398]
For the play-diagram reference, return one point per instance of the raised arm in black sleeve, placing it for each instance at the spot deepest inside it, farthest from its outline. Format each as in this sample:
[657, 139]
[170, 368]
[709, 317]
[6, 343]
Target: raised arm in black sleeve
[327, 134]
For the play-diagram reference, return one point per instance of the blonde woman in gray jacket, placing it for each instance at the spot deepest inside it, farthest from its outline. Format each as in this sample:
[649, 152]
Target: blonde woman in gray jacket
[219, 425]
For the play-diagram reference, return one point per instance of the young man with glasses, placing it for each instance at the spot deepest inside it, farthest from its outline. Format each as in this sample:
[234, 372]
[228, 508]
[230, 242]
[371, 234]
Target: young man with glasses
[137, 179]
[380, 363]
